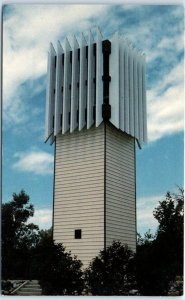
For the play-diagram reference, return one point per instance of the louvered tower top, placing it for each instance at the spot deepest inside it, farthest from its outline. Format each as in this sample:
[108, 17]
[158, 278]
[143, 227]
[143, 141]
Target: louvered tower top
[92, 80]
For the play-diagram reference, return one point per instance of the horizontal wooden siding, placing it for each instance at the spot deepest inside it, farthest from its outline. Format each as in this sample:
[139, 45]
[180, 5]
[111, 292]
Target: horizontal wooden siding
[79, 192]
[120, 187]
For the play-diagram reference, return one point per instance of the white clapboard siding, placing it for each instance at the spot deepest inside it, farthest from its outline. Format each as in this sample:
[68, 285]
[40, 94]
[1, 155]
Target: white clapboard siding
[74, 87]
[90, 81]
[79, 192]
[59, 90]
[50, 93]
[85, 162]
[67, 82]
[120, 192]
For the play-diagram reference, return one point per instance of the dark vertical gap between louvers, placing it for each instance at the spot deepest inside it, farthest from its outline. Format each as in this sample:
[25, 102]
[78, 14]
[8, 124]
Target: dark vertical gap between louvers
[86, 57]
[106, 108]
[54, 91]
[94, 82]
[69, 117]
[62, 90]
[78, 85]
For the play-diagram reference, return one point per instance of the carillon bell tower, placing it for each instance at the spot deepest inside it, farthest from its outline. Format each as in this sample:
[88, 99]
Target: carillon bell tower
[95, 111]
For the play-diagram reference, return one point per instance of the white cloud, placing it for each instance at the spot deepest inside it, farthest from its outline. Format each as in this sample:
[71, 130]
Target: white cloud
[42, 218]
[27, 32]
[28, 29]
[37, 162]
[145, 218]
[166, 48]
[166, 105]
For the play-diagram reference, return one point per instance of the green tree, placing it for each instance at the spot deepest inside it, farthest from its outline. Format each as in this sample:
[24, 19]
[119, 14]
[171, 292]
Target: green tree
[159, 258]
[152, 272]
[58, 272]
[18, 237]
[112, 271]
[28, 253]
[170, 233]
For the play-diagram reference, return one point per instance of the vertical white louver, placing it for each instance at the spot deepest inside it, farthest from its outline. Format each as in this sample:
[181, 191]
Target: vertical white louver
[114, 94]
[83, 83]
[140, 101]
[126, 86]
[77, 86]
[67, 82]
[144, 100]
[51, 139]
[50, 93]
[59, 90]
[122, 87]
[99, 82]
[131, 96]
[47, 106]
[90, 81]
[136, 120]
[74, 85]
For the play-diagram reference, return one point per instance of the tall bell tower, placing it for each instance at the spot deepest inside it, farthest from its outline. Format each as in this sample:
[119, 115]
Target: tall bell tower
[95, 112]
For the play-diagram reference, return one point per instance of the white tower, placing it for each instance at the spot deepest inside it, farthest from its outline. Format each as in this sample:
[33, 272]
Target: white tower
[95, 111]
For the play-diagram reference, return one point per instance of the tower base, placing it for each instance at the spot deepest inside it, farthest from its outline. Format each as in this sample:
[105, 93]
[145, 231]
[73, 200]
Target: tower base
[94, 190]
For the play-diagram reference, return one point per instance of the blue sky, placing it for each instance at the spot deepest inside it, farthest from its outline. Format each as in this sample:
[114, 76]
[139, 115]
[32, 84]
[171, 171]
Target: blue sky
[27, 31]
